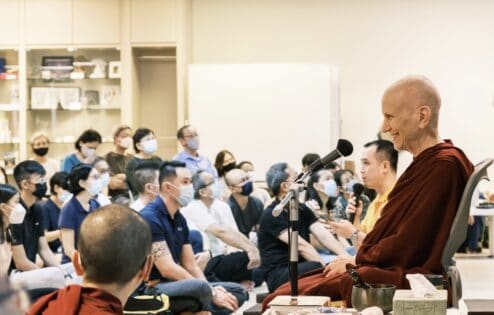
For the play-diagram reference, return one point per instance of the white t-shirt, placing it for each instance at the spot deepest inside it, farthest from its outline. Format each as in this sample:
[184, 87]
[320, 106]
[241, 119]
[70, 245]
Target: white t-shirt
[137, 205]
[219, 213]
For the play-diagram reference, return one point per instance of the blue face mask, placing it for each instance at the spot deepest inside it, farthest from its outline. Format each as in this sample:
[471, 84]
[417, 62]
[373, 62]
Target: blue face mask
[247, 189]
[186, 194]
[330, 188]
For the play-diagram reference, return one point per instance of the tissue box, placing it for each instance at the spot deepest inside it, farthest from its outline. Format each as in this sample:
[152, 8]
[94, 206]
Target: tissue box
[405, 303]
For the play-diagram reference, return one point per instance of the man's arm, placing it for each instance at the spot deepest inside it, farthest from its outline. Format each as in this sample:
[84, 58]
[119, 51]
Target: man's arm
[305, 249]
[52, 235]
[67, 238]
[237, 240]
[327, 239]
[346, 229]
[46, 253]
[188, 261]
[163, 261]
[22, 263]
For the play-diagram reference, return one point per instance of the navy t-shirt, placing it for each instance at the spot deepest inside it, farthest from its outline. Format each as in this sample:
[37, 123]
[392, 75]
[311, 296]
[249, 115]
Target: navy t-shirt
[29, 231]
[246, 218]
[71, 217]
[51, 215]
[274, 253]
[173, 231]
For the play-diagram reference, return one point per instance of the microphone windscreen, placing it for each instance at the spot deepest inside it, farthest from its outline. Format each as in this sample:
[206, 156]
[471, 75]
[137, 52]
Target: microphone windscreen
[345, 147]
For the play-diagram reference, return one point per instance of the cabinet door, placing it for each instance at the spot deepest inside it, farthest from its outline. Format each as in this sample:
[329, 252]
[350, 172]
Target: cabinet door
[48, 21]
[96, 21]
[153, 21]
[9, 32]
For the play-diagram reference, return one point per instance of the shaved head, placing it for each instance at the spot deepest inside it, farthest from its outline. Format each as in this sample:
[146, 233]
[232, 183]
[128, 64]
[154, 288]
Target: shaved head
[412, 92]
[236, 177]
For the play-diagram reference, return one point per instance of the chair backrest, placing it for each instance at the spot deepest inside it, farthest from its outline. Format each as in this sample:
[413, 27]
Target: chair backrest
[458, 232]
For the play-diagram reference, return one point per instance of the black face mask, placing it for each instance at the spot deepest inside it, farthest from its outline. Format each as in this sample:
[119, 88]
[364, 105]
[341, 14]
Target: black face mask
[228, 167]
[40, 191]
[41, 151]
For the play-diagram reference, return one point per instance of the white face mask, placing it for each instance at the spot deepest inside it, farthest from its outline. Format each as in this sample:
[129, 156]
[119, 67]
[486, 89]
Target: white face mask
[17, 215]
[126, 142]
[95, 187]
[105, 179]
[150, 146]
[88, 152]
[64, 196]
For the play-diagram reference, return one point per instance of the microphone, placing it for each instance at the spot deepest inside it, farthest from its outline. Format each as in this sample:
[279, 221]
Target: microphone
[343, 148]
[358, 189]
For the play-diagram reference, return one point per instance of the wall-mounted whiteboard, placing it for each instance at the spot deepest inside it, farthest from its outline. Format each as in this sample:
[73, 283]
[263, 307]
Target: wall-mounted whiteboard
[265, 113]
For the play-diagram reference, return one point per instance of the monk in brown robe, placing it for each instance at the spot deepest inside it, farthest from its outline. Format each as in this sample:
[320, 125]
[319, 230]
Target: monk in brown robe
[414, 226]
[113, 258]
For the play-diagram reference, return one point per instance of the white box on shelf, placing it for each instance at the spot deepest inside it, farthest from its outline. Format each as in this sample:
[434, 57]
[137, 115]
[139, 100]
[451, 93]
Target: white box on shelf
[43, 98]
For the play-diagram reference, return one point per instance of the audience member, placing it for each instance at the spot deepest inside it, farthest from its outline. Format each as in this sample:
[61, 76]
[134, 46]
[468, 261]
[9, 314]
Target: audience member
[12, 301]
[175, 271]
[189, 139]
[308, 159]
[11, 212]
[259, 192]
[86, 146]
[84, 183]
[224, 162]
[28, 236]
[103, 169]
[426, 195]
[333, 167]
[52, 208]
[146, 179]
[339, 203]
[145, 145]
[40, 144]
[273, 233]
[117, 159]
[247, 210]
[111, 269]
[233, 256]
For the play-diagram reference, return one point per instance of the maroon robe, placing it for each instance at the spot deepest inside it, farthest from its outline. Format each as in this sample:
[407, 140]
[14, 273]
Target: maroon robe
[412, 231]
[77, 300]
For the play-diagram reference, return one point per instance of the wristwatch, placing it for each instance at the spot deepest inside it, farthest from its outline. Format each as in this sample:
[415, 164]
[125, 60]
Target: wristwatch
[354, 236]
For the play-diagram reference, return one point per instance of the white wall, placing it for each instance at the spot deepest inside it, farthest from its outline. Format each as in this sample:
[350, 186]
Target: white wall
[373, 43]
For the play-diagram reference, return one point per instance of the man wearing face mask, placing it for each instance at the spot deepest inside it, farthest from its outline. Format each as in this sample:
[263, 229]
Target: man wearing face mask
[118, 189]
[40, 144]
[189, 139]
[28, 236]
[247, 210]
[233, 256]
[175, 271]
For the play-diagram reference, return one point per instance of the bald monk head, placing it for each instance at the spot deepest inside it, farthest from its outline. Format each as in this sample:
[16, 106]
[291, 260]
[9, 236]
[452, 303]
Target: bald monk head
[114, 250]
[411, 112]
[239, 182]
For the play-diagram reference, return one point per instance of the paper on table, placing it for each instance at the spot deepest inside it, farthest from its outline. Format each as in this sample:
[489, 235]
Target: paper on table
[421, 287]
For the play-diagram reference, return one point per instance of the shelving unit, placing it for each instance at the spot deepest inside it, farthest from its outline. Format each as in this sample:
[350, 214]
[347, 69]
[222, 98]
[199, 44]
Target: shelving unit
[151, 39]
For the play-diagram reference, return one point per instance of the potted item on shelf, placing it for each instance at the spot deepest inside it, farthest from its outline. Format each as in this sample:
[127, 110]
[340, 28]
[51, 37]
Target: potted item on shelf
[57, 68]
[114, 69]
[9, 161]
[80, 63]
[99, 69]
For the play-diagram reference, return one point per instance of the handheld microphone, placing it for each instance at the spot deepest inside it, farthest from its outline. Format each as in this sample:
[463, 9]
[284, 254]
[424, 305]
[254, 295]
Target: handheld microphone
[358, 189]
[343, 148]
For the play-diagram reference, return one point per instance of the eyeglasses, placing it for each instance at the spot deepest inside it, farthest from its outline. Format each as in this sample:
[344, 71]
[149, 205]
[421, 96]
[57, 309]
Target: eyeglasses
[41, 180]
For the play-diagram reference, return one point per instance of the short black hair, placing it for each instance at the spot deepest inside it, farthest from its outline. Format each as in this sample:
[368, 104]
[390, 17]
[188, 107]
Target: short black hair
[145, 173]
[198, 184]
[138, 135]
[180, 132]
[275, 176]
[6, 193]
[309, 158]
[25, 169]
[339, 174]
[168, 170]
[89, 135]
[385, 150]
[333, 166]
[100, 244]
[60, 179]
[78, 173]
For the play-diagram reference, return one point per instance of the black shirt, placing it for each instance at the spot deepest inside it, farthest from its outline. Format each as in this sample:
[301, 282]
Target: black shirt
[274, 253]
[29, 231]
[249, 217]
[51, 214]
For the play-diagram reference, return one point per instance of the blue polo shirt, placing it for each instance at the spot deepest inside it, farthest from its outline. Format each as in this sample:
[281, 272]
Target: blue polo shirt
[173, 231]
[196, 163]
[71, 217]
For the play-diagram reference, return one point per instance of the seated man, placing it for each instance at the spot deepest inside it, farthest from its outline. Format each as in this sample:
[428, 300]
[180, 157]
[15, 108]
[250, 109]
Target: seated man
[379, 164]
[28, 238]
[106, 284]
[415, 223]
[246, 209]
[175, 271]
[214, 218]
[273, 233]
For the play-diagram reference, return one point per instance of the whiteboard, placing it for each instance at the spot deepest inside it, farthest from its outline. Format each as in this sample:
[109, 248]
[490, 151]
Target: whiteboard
[264, 113]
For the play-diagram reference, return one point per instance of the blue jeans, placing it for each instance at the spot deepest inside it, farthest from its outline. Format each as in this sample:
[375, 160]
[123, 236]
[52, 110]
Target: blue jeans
[200, 290]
